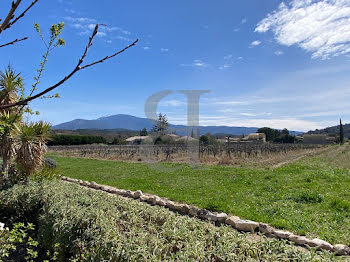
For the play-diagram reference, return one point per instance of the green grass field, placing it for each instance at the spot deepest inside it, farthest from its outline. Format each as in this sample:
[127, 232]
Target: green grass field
[310, 196]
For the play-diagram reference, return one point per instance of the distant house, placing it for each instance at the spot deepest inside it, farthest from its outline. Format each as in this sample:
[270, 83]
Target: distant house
[173, 136]
[186, 139]
[317, 139]
[255, 138]
[251, 138]
[136, 140]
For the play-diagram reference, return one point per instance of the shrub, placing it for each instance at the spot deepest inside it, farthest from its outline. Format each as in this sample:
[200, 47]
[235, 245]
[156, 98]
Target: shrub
[340, 205]
[58, 140]
[95, 226]
[309, 198]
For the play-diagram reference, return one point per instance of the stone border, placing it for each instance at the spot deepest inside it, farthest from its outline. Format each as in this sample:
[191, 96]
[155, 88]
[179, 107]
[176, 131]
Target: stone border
[218, 218]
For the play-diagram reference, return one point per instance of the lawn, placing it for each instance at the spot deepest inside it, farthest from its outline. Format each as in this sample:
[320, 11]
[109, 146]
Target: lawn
[310, 196]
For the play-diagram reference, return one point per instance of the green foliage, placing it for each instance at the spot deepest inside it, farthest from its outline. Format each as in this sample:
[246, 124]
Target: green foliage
[118, 140]
[277, 136]
[270, 133]
[19, 244]
[161, 125]
[264, 195]
[45, 173]
[53, 42]
[208, 140]
[94, 226]
[143, 132]
[57, 140]
[309, 198]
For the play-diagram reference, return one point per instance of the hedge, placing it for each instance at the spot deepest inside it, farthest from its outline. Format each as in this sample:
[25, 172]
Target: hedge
[66, 140]
[95, 226]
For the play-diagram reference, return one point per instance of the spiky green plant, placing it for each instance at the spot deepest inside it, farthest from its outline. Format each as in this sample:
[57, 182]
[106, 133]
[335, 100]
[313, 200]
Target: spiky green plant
[30, 140]
[11, 89]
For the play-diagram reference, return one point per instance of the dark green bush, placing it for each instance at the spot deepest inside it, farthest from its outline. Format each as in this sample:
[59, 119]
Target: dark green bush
[309, 198]
[66, 140]
[95, 226]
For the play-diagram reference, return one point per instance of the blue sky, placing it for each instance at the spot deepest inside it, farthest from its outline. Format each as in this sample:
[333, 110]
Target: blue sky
[266, 63]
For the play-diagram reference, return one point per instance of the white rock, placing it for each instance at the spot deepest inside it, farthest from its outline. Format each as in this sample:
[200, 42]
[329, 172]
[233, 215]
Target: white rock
[282, 234]
[299, 240]
[231, 220]
[202, 214]
[170, 204]
[211, 216]
[137, 194]
[144, 198]
[341, 250]
[129, 193]
[160, 202]
[246, 225]
[320, 243]
[266, 229]
[221, 217]
[193, 211]
[184, 209]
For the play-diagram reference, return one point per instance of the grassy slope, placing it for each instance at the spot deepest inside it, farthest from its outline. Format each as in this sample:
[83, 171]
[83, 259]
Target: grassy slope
[308, 197]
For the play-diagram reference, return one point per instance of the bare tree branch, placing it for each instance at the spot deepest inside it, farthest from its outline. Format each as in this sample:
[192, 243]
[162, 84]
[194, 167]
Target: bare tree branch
[10, 15]
[77, 68]
[22, 14]
[14, 41]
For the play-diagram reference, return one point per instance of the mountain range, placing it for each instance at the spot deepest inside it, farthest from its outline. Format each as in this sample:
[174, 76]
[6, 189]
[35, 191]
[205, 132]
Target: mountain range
[122, 121]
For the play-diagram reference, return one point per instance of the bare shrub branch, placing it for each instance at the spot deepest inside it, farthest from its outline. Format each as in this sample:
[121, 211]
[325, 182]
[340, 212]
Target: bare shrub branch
[14, 41]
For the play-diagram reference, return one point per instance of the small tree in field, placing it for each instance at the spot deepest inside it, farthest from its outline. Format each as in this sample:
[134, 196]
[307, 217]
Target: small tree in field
[143, 132]
[161, 125]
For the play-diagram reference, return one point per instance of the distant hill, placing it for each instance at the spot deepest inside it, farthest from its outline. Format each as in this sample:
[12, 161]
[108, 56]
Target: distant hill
[333, 131]
[133, 123]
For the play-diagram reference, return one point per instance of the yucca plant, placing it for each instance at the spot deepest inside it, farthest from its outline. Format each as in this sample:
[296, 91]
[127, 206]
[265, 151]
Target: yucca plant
[30, 144]
[11, 89]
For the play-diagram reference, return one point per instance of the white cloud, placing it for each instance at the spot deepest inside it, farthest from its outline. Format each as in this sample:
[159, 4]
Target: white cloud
[244, 20]
[172, 103]
[255, 43]
[164, 50]
[85, 26]
[79, 19]
[101, 34]
[256, 114]
[146, 48]
[196, 64]
[319, 27]
[279, 52]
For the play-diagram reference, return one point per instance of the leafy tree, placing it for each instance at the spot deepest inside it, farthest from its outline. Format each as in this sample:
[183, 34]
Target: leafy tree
[270, 133]
[285, 131]
[161, 125]
[208, 140]
[341, 133]
[118, 140]
[143, 132]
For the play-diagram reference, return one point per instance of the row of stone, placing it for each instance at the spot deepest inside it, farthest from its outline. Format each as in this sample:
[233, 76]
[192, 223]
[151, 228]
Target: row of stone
[218, 218]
